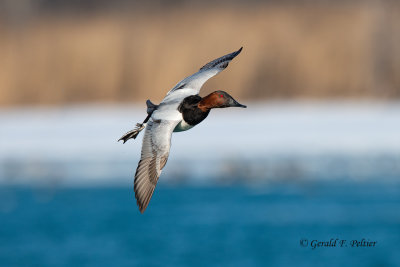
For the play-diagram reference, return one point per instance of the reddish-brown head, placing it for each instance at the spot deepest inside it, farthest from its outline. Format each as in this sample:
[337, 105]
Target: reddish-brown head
[218, 99]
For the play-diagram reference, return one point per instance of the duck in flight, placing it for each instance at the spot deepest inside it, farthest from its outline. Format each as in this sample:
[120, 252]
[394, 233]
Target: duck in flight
[181, 109]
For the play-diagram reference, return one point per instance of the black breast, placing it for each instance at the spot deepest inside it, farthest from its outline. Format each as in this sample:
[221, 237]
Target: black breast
[190, 111]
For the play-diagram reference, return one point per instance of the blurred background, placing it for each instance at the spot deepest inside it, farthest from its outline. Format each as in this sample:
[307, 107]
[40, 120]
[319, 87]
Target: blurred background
[316, 155]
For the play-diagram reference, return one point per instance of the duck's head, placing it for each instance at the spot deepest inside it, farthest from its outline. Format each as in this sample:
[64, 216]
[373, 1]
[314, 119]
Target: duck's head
[219, 99]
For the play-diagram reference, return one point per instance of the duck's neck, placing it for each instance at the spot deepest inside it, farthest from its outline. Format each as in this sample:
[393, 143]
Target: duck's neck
[207, 103]
[193, 113]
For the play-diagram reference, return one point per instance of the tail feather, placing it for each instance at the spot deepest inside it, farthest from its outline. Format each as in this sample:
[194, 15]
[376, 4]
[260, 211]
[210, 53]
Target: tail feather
[150, 106]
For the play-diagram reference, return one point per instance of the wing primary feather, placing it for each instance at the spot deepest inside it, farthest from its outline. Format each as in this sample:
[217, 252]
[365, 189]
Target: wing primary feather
[222, 59]
[193, 83]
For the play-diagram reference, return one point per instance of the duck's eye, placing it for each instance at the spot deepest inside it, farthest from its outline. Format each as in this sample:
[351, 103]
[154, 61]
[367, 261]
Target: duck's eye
[221, 95]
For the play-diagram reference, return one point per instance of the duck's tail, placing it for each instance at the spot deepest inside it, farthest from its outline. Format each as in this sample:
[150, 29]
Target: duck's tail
[150, 107]
[140, 126]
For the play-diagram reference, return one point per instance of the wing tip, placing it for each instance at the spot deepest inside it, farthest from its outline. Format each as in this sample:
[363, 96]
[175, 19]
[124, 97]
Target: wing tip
[143, 195]
[234, 54]
[141, 207]
[222, 59]
[140, 203]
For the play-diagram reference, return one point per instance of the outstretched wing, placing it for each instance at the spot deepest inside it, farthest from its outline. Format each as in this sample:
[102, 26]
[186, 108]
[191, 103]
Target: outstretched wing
[194, 82]
[155, 151]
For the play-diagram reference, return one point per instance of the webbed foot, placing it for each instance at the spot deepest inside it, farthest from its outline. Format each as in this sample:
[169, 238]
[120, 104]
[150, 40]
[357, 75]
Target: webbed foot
[133, 133]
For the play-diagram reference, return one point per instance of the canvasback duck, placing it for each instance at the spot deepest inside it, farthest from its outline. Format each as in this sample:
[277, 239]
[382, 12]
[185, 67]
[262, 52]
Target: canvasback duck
[181, 109]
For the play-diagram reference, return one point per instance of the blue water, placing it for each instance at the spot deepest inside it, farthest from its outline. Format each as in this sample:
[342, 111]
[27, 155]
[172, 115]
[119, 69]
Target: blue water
[201, 226]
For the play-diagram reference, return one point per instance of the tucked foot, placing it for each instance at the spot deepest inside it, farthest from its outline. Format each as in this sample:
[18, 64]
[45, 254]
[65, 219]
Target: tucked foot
[133, 133]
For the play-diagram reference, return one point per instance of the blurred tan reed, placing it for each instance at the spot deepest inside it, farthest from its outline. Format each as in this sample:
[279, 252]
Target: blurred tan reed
[346, 50]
